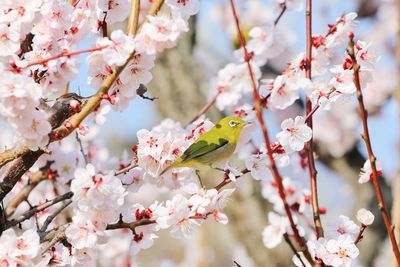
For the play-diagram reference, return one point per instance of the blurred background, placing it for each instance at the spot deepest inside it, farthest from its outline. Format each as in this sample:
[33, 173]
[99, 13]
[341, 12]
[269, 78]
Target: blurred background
[183, 82]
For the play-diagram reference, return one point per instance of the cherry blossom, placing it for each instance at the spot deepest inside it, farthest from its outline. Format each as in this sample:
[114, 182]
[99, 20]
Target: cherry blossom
[295, 133]
[160, 32]
[338, 32]
[341, 251]
[98, 195]
[366, 172]
[186, 8]
[290, 4]
[363, 56]
[273, 233]
[19, 250]
[342, 226]
[365, 217]
[280, 96]
[265, 43]
[112, 11]
[9, 41]
[233, 83]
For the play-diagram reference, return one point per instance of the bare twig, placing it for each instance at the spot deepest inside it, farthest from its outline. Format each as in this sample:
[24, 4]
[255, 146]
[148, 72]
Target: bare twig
[125, 170]
[85, 158]
[360, 234]
[33, 211]
[280, 14]
[310, 145]
[131, 225]
[206, 107]
[293, 248]
[371, 155]
[227, 180]
[18, 168]
[51, 217]
[53, 236]
[258, 108]
[34, 180]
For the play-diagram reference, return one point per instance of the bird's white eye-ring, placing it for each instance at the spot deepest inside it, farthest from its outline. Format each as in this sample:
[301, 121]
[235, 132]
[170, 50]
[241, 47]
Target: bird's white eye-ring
[233, 123]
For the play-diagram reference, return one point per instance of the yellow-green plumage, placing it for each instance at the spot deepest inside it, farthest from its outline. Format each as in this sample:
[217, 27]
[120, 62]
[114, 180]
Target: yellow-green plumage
[213, 147]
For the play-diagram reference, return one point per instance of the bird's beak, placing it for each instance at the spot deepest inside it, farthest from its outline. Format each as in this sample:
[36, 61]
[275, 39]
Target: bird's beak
[248, 123]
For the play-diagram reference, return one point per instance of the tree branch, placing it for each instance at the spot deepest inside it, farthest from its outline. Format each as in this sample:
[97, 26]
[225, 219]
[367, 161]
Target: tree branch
[371, 155]
[34, 180]
[258, 109]
[35, 210]
[309, 111]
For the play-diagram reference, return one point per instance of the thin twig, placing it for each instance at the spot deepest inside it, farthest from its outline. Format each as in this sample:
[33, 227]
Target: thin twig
[51, 217]
[131, 225]
[280, 14]
[258, 108]
[33, 211]
[53, 236]
[360, 234]
[207, 106]
[310, 144]
[126, 169]
[371, 155]
[227, 180]
[85, 158]
[34, 180]
[293, 248]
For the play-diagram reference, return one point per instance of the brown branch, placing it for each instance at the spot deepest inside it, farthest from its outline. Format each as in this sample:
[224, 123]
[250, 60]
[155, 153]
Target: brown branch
[134, 17]
[126, 169]
[34, 180]
[258, 108]
[11, 154]
[53, 236]
[51, 217]
[228, 181]
[310, 144]
[371, 155]
[35, 210]
[132, 226]
[15, 172]
[360, 234]
[206, 107]
[293, 248]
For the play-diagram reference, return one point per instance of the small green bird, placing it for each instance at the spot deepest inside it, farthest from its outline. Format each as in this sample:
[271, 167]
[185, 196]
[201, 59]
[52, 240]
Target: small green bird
[212, 147]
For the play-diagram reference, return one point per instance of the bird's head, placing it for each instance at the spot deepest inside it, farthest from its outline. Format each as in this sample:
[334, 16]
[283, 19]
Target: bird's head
[231, 126]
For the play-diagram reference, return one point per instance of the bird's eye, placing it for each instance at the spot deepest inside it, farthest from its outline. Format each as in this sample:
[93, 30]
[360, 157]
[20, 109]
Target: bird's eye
[233, 123]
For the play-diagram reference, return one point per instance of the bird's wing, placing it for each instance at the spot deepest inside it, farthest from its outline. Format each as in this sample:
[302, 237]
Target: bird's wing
[202, 147]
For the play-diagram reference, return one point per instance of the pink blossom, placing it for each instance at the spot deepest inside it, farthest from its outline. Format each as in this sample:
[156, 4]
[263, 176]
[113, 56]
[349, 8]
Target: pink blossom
[112, 10]
[366, 171]
[186, 8]
[341, 251]
[295, 133]
[280, 96]
[365, 217]
[273, 233]
[342, 226]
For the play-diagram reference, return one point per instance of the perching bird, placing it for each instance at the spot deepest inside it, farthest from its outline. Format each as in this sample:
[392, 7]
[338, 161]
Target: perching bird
[213, 147]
